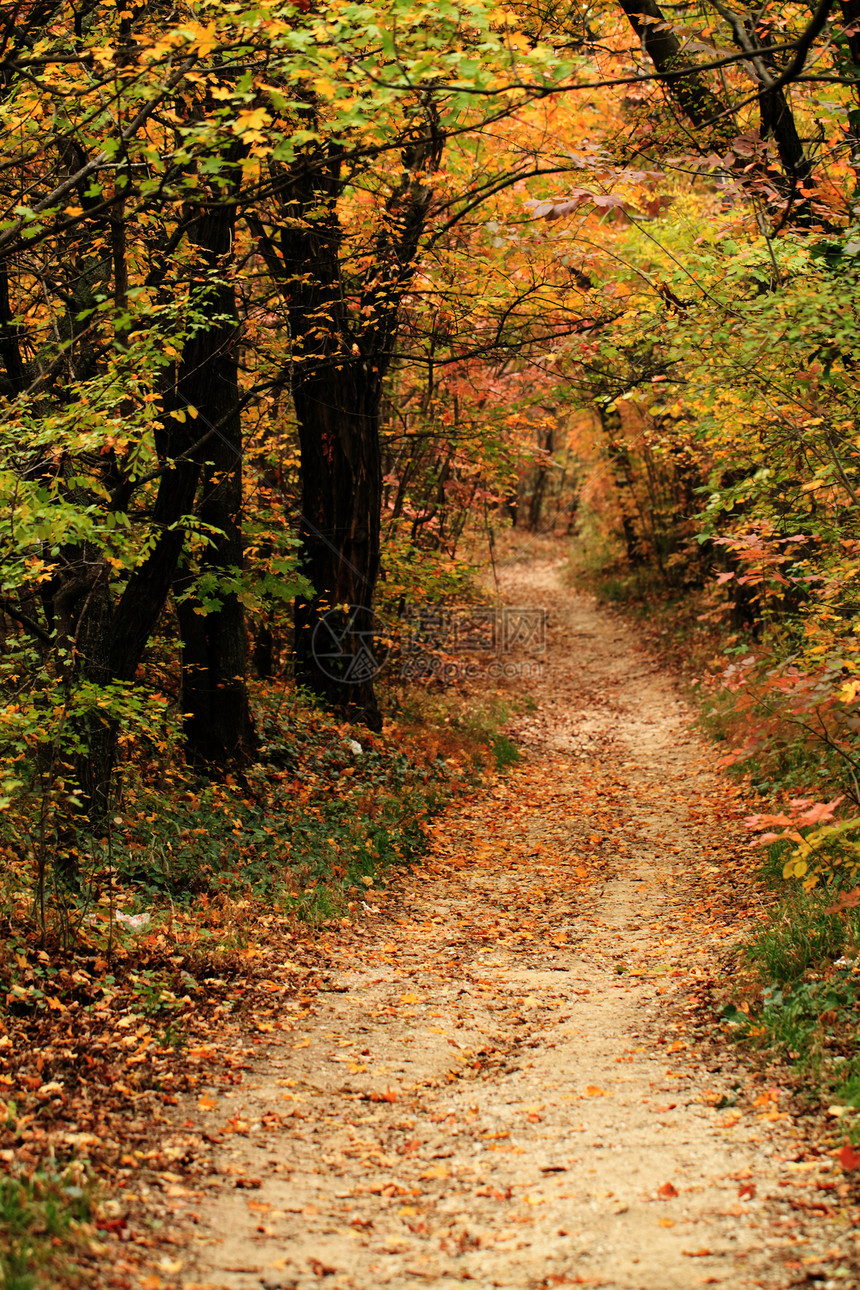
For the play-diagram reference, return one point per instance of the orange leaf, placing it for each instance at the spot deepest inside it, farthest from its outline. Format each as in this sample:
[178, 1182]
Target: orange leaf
[388, 1096]
[849, 1158]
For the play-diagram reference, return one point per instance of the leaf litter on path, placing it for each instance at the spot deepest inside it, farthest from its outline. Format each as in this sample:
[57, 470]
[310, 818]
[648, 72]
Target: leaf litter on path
[502, 1082]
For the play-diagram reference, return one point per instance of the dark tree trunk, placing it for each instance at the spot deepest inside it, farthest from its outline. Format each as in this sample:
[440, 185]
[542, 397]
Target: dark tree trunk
[110, 642]
[98, 732]
[336, 652]
[707, 111]
[684, 82]
[851, 18]
[622, 473]
[341, 352]
[217, 718]
[536, 500]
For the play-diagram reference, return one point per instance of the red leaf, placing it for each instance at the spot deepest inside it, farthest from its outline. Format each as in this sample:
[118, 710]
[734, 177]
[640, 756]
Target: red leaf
[849, 1158]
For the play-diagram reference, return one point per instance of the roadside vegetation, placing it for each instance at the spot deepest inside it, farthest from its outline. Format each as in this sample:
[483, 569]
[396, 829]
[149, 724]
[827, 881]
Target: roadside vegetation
[795, 999]
[292, 314]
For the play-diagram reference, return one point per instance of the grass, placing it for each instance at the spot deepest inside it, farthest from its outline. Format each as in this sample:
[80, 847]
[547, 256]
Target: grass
[472, 729]
[505, 752]
[800, 935]
[44, 1227]
[797, 996]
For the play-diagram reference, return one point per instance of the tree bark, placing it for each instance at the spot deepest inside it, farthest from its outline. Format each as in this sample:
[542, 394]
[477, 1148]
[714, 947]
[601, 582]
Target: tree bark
[684, 82]
[217, 719]
[336, 654]
[851, 18]
[110, 641]
[707, 111]
[622, 473]
[341, 352]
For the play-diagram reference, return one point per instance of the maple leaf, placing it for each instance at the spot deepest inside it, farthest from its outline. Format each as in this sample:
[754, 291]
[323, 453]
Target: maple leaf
[249, 124]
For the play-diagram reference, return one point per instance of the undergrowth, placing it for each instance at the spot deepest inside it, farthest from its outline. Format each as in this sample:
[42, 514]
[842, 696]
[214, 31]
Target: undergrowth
[797, 993]
[327, 810]
[44, 1222]
[200, 907]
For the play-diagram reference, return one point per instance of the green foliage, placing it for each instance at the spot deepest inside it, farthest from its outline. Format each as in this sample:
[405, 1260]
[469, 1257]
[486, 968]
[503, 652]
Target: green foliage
[505, 752]
[801, 985]
[799, 935]
[42, 1221]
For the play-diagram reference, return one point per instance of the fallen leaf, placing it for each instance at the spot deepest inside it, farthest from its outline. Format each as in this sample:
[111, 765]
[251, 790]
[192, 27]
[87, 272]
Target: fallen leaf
[849, 1159]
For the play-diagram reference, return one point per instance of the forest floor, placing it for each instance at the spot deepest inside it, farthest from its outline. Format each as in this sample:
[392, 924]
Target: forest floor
[510, 1074]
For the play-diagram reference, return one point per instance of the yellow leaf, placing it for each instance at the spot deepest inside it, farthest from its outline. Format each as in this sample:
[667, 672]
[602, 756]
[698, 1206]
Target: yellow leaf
[252, 120]
[203, 38]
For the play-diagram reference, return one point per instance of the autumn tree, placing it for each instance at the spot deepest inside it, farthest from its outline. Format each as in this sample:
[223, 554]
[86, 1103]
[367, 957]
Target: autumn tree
[342, 232]
[119, 347]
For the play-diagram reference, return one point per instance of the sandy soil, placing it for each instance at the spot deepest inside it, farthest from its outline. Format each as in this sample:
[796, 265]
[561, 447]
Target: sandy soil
[501, 1084]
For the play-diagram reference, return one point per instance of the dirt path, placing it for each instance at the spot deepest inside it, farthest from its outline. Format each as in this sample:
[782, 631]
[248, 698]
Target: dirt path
[499, 1085]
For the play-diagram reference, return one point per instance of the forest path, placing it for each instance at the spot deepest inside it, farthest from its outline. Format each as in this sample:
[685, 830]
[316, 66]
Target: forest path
[502, 1085]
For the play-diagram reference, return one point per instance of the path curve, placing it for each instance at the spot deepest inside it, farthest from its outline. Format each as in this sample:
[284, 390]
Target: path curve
[501, 1086]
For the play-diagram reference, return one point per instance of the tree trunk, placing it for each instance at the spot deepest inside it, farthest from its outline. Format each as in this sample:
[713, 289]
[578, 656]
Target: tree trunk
[707, 111]
[336, 652]
[851, 18]
[217, 718]
[681, 78]
[111, 643]
[536, 500]
[340, 354]
[622, 473]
